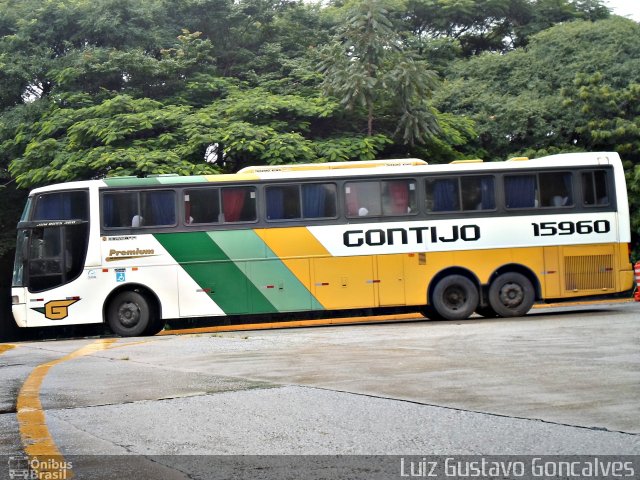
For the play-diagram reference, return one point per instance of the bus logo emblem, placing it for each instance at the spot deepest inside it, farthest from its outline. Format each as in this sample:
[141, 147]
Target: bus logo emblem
[56, 309]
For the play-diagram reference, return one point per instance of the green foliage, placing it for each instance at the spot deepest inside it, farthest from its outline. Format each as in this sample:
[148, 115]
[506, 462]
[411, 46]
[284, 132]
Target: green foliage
[365, 66]
[495, 25]
[518, 99]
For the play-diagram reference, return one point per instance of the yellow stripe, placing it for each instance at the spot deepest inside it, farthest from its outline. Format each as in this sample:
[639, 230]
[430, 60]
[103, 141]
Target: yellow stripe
[582, 303]
[296, 324]
[351, 320]
[231, 177]
[36, 438]
[5, 347]
[294, 242]
[291, 245]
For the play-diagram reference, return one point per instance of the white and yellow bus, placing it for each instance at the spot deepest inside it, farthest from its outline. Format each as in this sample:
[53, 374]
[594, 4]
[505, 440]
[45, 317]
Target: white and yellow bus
[448, 240]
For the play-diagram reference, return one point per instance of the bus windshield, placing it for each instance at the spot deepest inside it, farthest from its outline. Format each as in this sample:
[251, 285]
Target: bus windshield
[52, 240]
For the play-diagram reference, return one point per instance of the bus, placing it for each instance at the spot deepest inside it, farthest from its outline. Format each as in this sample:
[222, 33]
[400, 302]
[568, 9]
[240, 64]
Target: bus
[447, 240]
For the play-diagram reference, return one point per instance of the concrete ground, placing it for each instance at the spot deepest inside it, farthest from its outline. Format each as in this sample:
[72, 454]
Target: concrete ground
[557, 382]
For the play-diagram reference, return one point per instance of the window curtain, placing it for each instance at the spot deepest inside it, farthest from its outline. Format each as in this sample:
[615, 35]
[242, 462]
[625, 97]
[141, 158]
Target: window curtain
[520, 191]
[275, 203]
[232, 203]
[313, 201]
[488, 199]
[108, 211]
[163, 208]
[352, 201]
[445, 196]
[54, 206]
[399, 193]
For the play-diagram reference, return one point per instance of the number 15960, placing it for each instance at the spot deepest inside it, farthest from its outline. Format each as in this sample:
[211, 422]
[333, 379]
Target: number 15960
[584, 227]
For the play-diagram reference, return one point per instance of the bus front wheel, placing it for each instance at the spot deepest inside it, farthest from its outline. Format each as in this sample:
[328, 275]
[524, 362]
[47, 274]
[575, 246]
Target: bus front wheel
[455, 297]
[511, 295]
[129, 314]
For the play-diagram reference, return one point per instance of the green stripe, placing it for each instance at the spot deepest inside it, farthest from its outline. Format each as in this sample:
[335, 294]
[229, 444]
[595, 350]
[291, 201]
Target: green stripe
[243, 273]
[211, 269]
[267, 272]
[130, 181]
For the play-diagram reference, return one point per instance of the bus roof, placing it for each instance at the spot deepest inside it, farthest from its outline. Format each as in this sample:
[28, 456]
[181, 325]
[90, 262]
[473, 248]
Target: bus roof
[348, 169]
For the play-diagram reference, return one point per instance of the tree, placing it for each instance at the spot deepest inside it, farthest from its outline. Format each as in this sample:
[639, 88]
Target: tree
[366, 67]
[494, 25]
[518, 99]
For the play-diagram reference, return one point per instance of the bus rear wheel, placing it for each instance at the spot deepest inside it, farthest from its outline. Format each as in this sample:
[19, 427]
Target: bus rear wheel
[455, 297]
[511, 295]
[486, 311]
[129, 314]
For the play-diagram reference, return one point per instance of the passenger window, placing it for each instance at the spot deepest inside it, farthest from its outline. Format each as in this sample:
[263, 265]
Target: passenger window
[119, 209]
[283, 202]
[363, 199]
[158, 208]
[399, 197]
[319, 200]
[152, 208]
[72, 205]
[238, 204]
[442, 195]
[556, 189]
[201, 205]
[478, 193]
[520, 191]
[594, 188]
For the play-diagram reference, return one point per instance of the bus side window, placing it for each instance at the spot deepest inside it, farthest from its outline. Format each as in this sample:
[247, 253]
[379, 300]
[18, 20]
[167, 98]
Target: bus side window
[478, 193]
[520, 191]
[443, 195]
[283, 202]
[201, 205]
[319, 200]
[158, 208]
[363, 199]
[594, 188]
[238, 204]
[399, 197]
[119, 209]
[556, 189]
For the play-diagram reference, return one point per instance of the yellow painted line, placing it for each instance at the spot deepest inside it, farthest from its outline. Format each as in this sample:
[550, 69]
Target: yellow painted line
[582, 303]
[351, 320]
[5, 347]
[36, 438]
[294, 324]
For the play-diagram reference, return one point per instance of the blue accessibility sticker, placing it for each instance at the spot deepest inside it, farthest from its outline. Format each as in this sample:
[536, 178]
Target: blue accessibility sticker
[120, 275]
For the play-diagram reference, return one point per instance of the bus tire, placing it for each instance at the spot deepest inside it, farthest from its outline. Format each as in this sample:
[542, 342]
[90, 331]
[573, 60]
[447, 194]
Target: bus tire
[486, 311]
[511, 295]
[429, 312]
[155, 326]
[129, 314]
[455, 297]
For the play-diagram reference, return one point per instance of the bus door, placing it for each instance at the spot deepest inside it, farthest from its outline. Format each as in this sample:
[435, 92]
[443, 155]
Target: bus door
[390, 280]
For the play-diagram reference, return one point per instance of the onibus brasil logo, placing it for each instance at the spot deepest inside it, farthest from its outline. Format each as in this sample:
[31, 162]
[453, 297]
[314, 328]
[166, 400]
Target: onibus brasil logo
[34, 468]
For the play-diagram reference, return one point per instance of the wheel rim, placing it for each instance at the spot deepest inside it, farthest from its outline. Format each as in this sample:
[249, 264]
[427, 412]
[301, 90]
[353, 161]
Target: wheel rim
[129, 314]
[511, 294]
[454, 297]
